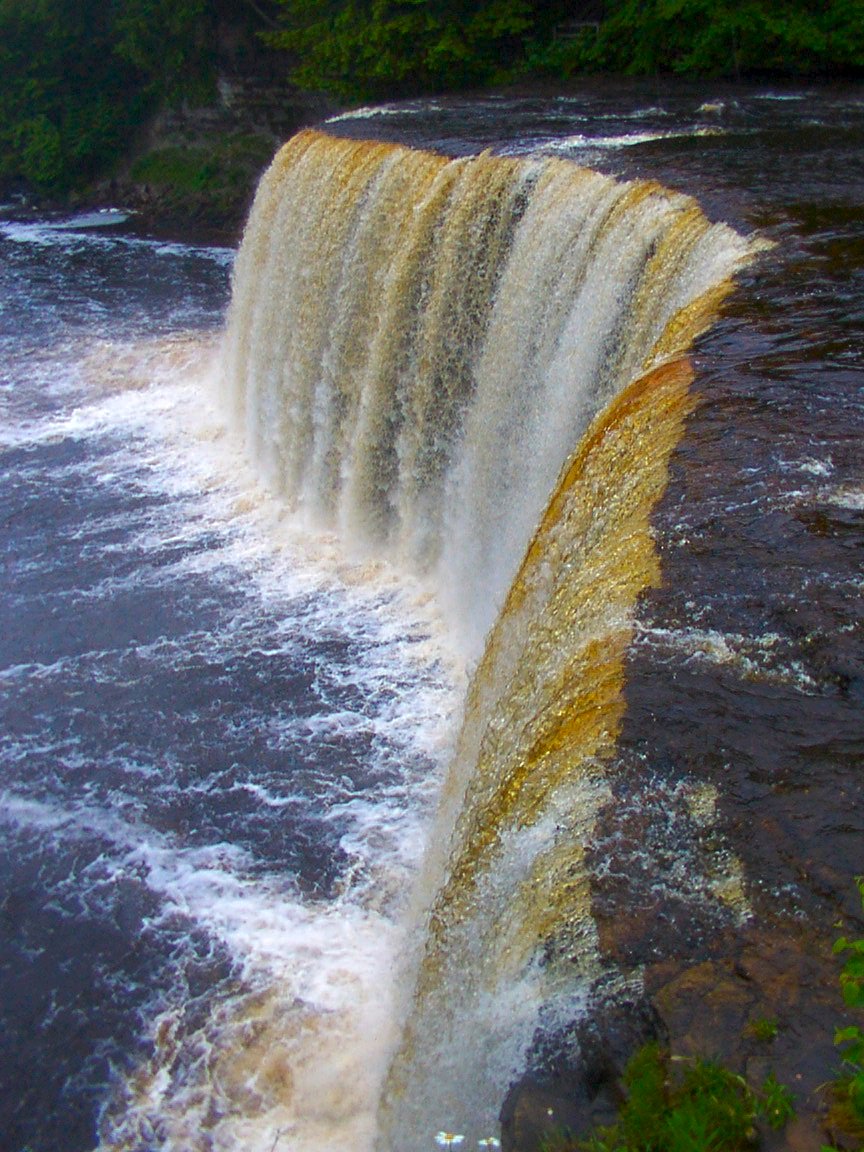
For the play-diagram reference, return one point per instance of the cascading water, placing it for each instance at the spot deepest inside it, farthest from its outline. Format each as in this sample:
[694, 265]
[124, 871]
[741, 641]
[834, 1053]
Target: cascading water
[477, 367]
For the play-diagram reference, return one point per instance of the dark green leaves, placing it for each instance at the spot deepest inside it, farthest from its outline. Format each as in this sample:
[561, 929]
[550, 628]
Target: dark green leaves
[732, 37]
[77, 77]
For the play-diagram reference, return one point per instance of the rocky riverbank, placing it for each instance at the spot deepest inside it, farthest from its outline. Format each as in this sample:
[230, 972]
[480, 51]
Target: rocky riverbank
[194, 170]
[197, 168]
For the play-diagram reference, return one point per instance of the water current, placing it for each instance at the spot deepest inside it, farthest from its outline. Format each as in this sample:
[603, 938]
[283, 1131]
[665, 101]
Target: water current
[223, 738]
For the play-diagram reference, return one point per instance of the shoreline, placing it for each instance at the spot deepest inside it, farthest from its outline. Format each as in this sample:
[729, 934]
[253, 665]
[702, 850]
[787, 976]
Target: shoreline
[192, 177]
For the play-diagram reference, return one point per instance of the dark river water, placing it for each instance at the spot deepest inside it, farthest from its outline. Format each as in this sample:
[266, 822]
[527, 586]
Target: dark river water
[220, 742]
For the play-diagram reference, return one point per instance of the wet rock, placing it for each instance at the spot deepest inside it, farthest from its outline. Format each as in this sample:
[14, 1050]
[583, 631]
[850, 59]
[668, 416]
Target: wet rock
[575, 1083]
[766, 1003]
[534, 1111]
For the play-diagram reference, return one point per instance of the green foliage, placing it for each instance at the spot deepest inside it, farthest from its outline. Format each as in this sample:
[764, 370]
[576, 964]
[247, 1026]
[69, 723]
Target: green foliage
[763, 1028]
[58, 86]
[218, 163]
[777, 1104]
[369, 48]
[166, 42]
[675, 1105]
[383, 48]
[849, 1087]
[78, 77]
[645, 1084]
[204, 181]
[729, 37]
[183, 169]
[40, 152]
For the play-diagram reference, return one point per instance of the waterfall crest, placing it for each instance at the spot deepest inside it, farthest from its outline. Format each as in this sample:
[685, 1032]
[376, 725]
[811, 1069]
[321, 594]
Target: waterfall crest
[416, 344]
[478, 368]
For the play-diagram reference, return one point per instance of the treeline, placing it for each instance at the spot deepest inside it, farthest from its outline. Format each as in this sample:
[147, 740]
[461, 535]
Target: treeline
[375, 48]
[734, 38]
[78, 78]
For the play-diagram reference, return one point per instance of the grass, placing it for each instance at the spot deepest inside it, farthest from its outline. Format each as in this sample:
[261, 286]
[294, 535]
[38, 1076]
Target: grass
[846, 1112]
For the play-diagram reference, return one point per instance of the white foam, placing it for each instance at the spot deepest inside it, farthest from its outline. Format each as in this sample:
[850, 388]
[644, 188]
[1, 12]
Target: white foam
[782, 97]
[750, 657]
[579, 145]
[379, 111]
[810, 465]
[100, 218]
[849, 496]
[321, 971]
[78, 232]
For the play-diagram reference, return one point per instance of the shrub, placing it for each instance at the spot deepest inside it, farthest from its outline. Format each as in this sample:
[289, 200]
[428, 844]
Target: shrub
[678, 1105]
[848, 1088]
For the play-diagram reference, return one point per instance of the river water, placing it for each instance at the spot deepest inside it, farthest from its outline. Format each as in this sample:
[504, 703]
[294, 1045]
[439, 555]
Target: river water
[221, 739]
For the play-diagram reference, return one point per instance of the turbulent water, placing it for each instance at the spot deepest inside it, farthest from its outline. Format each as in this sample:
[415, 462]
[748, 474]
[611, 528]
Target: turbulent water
[218, 740]
[244, 575]
[513, 300]
[416, 345]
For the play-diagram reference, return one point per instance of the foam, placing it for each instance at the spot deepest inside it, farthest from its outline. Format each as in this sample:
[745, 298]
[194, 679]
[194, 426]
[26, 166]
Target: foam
[310, 977]
[758, 658]
[76, 232]
[310, 1002]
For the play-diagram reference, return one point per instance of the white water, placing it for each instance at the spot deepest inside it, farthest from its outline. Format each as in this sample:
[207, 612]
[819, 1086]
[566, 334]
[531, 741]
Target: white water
[415, 346]
[163, 763]
[415, 350]
[289, 1047]
[112, 817]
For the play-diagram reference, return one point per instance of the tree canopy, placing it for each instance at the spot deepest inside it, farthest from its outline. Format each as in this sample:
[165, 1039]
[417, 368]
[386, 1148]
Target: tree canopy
[374, 48]
[78, 77]
[731, 37]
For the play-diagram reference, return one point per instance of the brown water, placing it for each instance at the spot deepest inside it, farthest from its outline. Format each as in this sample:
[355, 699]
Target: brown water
[723, 859]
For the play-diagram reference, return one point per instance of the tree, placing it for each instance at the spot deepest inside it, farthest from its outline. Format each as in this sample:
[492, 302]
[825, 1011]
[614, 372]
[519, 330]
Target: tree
[731, 37]
[377, 48]
[168, 42]
[77, 78]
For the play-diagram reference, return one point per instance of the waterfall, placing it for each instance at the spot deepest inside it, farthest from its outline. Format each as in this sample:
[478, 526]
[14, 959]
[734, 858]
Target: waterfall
[477, 368]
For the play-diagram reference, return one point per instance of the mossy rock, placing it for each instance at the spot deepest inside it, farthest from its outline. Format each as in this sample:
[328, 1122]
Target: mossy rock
[209, 182]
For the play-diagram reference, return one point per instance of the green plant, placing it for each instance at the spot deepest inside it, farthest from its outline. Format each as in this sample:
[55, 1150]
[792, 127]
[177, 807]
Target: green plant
[777, 1103]
[674, 1104]
[848, 1088]
[763, 1028]
[732, 39]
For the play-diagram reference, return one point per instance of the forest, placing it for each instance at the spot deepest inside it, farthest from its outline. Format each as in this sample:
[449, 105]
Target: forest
[80, 78]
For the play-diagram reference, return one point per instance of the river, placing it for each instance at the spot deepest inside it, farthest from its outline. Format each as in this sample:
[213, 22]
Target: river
[224, 734]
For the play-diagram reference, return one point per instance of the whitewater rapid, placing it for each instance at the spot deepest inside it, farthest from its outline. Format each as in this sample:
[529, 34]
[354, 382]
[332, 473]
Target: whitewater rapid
[223, 739]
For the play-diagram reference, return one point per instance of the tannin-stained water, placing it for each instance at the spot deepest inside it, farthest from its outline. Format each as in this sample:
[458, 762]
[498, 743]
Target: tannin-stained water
[519, 299]
[239, 1017]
